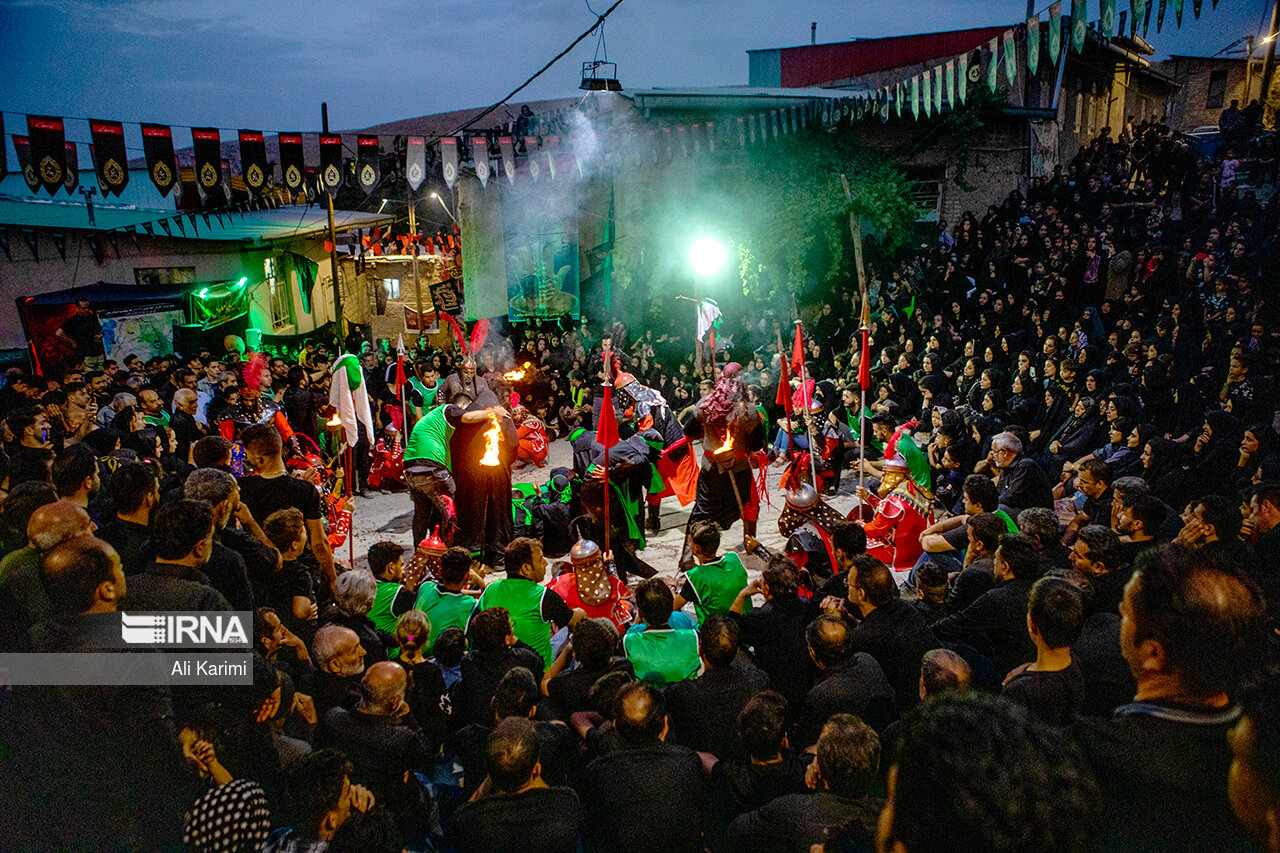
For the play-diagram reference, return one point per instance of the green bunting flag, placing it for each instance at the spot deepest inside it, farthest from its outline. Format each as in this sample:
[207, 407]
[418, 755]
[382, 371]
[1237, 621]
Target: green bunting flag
[937, 89]
[1033, 44]
[915, 97]
[1079, 23]
[1177, 12]
[897, 98]
[1108, 19]
[993, 62]
[962, 80]
[1010, 57]
[927, 94]
[950, 72]
[1055, 31]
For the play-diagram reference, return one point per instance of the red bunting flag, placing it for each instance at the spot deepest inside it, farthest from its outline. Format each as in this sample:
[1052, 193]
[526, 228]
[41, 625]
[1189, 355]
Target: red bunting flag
[783, 397]
[607, 431]
[797, 350]
[864, 363]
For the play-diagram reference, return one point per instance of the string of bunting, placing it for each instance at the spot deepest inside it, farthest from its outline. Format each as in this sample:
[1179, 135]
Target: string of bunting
[533, 150]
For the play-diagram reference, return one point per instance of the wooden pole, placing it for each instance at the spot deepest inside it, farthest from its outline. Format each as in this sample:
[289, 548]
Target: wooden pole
[417, 283]
[855, 232]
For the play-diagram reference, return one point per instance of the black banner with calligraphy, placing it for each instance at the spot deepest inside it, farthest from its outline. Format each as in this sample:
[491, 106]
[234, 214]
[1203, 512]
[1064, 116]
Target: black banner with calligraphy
[207, 146]
[48, 151]
[157, 146]
[331, 163]
[293, 165]
[22, 146]
[368, 169]
[444, 296]
[449, 159]
[253, 160]
[415, 161]
[109, 158]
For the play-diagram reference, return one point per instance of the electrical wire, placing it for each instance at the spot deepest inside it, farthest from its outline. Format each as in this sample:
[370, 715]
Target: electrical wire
[599, 22]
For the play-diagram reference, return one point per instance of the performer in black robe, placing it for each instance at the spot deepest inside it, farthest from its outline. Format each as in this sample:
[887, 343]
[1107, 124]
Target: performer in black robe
[731, 431]
[630, 466]
[483, 494]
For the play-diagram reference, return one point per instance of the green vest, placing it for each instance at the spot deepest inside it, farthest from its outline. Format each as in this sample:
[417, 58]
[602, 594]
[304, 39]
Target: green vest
[160, 420]
[523, 600]
[917, 462]
[718, 585]
[430, 438]
[380, 614]
[669, 654]
[444, 609]
[428, 394]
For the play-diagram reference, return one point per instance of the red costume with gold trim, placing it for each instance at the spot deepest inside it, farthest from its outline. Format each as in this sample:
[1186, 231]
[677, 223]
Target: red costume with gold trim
[902, 512]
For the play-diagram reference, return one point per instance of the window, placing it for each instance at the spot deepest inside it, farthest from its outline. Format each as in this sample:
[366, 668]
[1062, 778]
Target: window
[1217, 90]
[926, 191]
[164, 275]
[281, 304]
[392, 286]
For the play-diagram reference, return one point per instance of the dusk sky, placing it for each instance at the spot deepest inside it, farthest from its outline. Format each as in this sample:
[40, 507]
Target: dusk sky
[264, 64]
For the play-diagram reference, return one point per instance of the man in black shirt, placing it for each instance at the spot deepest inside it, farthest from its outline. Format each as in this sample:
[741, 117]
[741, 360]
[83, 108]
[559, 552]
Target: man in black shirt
[646, 795]
[271, 489]
[847, 763]
[225, 567]
[1191, 632]
[775, 631]
[891, 631]
[699, 707]
[847, 681]
[494, 652]
[996, 623]
[82, 332]
[182, 540]
[135, 492]
[1096, 554]
[1023, 483]
[1052, 686]
[770, 771]
[517, 810]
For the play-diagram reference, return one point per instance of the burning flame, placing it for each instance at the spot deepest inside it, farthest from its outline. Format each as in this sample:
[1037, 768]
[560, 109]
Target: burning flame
[517, 374]
[491, 436]
[334, 421]
[726, 447]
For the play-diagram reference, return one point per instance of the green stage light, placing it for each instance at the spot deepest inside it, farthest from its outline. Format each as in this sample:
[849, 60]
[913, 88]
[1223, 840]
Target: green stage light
[706, 256]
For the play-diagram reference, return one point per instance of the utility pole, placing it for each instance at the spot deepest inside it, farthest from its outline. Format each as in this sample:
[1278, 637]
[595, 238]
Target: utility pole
[417, 284]
[1269, 64]
[333, 243]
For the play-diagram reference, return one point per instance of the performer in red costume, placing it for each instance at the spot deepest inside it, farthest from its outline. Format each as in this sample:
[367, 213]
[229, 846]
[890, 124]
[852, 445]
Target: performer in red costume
[903, 509]
[587, 583]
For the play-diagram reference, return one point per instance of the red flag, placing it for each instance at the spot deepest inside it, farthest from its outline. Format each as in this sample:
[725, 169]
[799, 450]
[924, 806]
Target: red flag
[864, 363]
[783, 397]
[607, 430]
[797, 350]
[400, 377]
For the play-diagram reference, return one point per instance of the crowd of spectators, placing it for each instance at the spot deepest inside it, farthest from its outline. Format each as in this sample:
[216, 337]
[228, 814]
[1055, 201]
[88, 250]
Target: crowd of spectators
[1083, 657]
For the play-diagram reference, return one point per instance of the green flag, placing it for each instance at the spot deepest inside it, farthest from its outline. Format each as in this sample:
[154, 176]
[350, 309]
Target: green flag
[993, 62]
[1079, 26]
[1010, 57]
[1055, 31]
[1177, 12]
[962, 81]
[915, 97]
[1138, 8]
[1108, 19]
[1033, 43]
[927, 94]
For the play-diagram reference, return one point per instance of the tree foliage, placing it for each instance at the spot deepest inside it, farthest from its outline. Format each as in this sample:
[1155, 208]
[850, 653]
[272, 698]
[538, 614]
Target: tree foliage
[800, 239]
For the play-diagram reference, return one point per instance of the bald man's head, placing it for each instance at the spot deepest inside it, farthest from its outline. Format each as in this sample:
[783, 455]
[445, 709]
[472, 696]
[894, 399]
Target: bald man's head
[83, 575]
[640, 714]
[382, 689]
[942, 670]
[55, 523]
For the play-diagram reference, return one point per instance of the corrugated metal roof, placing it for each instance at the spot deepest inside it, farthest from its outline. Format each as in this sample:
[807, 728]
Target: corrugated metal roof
[142, 203]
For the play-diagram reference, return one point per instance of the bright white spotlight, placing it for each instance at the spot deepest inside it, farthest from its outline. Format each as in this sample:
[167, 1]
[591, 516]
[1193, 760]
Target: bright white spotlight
[706, 256]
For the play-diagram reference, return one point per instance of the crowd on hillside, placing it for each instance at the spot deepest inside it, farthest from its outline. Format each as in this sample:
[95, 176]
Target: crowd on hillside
[1079, 654]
